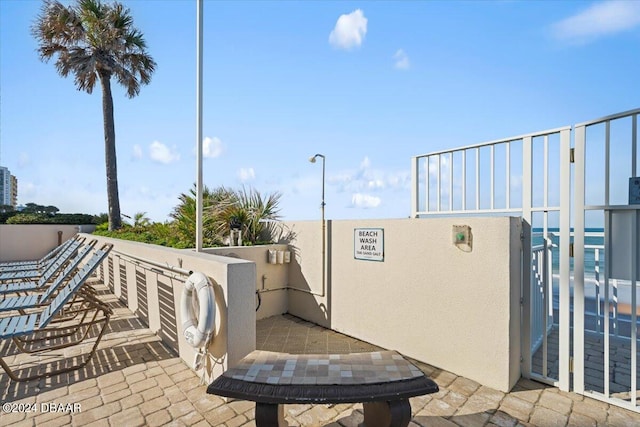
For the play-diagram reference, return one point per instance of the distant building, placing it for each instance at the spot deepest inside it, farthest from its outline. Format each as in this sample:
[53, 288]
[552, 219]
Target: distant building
[8, 188]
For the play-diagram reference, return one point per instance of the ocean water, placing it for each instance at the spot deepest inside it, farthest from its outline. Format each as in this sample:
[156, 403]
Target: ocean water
[593, 237]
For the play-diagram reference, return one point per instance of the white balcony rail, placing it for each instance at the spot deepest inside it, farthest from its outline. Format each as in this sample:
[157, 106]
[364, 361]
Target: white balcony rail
[542, 294]
[544, 291]
[468, 180]
[554, 184]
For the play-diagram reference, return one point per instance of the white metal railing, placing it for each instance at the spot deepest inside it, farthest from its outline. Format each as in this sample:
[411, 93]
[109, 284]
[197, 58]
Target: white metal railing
[617, 321]
[486, 179]
[542, 281]
[440, 179]
[541, 296]
[588, 135]
[495, 178]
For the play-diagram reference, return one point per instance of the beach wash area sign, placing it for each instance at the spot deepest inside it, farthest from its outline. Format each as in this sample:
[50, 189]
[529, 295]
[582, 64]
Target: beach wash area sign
[368, 244]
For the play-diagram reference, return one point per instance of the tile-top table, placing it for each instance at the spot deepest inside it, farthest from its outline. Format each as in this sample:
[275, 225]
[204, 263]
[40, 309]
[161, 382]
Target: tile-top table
[383, 381]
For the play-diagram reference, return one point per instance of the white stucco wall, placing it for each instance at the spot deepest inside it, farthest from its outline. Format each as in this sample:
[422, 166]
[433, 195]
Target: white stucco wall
[428, 299]
[155, 296]
[271, 279]
[20, 242]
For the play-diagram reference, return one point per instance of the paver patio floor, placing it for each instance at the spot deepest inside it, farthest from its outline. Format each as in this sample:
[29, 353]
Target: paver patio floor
[134, 380]
[619, 363]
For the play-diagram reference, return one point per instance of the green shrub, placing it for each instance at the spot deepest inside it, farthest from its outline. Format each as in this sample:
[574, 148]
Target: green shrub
[75, 218]
[103, 226]
[156, 233]
[28, 218]
[40, 218]
[101, 218]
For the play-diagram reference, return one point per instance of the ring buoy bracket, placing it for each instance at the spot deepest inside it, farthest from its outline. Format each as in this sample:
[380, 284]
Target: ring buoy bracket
[197, 335]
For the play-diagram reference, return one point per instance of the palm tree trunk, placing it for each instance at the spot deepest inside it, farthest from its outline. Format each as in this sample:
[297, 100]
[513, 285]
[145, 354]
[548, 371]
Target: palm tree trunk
[115, 221]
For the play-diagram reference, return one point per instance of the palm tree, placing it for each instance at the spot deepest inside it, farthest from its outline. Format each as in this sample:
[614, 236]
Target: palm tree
[96, 41]
[140, 219]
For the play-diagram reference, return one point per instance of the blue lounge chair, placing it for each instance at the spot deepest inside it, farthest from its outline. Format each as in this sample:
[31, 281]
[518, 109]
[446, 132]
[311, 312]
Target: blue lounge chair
[45, 279]
[40, 264]
[33, 333]
[33, 298]
[52, 266]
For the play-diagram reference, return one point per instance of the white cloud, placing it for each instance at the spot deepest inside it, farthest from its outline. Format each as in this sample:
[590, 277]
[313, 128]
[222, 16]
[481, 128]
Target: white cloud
[376, 184]
[163, 154]
[212, 147]
[349, 31]
[137, 151]
[599, 19]
[246, 174]
[367, 178]
[402, 60]
[365, 201]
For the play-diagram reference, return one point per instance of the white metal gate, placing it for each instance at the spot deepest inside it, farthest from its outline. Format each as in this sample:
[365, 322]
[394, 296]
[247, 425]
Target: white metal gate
[566, 339]
[605, 311]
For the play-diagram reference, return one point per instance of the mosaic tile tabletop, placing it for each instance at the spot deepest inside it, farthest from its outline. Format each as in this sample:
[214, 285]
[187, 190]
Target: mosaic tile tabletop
[333, 369]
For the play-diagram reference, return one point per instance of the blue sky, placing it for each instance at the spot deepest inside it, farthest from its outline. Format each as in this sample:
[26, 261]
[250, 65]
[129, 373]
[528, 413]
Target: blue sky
[367, 84]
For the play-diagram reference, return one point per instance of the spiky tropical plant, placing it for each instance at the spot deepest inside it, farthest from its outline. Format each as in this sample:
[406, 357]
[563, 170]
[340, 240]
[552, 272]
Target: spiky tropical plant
[140, 219]
[248, 208]
[96, 41]
[184, 216]
[221, 206]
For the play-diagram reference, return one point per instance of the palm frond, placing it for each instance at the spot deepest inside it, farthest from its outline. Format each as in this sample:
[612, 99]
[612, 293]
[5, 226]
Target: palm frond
[92, 40]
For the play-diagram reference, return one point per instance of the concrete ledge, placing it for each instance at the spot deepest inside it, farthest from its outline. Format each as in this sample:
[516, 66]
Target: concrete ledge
[154, 295]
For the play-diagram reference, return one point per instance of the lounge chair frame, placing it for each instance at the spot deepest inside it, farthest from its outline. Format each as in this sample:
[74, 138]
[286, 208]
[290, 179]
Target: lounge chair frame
[52, 267]
[37, 264]
[27, 330]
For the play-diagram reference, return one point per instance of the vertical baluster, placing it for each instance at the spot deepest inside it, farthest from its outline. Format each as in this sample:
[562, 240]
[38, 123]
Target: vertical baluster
[607, 270]
[546, 171]
[492, 172]
[607, 172]
[616, 322]
[545, 286]
[478, 178]
[415, 185]
[596, 256]
[634, 144]
[451, 181]
[508, 177]
[438, 182]
[634, 315]
[428, 203]
[464, 180]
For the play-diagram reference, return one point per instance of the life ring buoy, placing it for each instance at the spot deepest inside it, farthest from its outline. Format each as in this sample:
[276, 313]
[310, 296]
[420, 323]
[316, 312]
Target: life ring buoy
[196, 336]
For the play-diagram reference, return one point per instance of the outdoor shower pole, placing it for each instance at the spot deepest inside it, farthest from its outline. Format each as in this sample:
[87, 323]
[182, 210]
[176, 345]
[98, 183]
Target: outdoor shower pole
[312, 159]
[324, 238]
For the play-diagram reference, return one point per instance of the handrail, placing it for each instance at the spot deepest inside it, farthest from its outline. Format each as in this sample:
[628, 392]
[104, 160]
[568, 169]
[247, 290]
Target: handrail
[165, 266]
[496, 142]
[608, 118]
